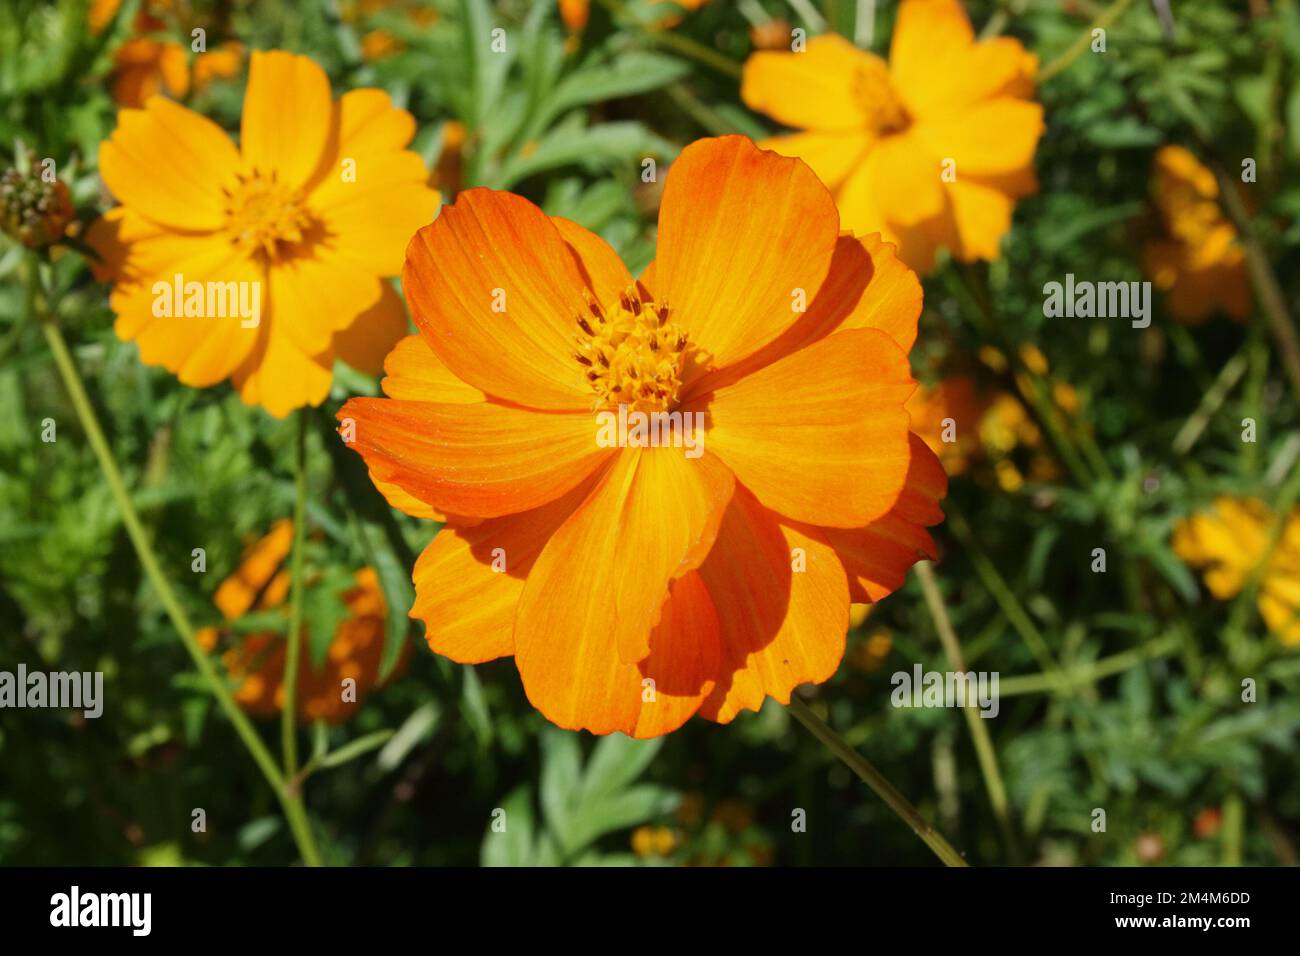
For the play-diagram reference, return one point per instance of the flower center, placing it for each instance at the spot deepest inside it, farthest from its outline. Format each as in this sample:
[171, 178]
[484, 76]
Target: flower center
[883, 107]
[632, 354]
[262, 212]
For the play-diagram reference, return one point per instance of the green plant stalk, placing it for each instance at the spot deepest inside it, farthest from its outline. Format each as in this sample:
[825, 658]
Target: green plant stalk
[293, 639]
[290, 803]
[1068, 681]
[1081, 45]
[876, 781]
[681, 44]
[979, 733]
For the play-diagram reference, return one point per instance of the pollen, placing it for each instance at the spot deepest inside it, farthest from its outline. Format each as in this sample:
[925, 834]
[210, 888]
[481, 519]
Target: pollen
[631, 353]
[263, 214]
[883, 107]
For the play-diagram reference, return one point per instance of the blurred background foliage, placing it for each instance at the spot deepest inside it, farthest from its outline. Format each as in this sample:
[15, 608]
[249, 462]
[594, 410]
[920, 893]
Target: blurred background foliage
[1121, 690]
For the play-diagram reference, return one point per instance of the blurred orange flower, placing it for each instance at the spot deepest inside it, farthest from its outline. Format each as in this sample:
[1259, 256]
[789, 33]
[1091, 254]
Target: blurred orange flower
[1230, 541]
[256, 660]
[299, 224]
[1198, 260]
[636, 586]
[931, 149]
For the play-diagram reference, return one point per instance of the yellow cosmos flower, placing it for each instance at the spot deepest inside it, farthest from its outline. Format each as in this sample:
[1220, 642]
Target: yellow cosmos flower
[256, 661]
[636, 584]
[263, 263]
[931, 149]
[1198, 261]
[1229, 541]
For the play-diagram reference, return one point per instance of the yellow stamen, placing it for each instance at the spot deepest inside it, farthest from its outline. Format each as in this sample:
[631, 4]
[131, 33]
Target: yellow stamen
[632, 353]
[263, 213]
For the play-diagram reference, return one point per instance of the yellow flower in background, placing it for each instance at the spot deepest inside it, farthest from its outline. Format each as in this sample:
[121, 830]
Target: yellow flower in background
[931, 149]
[1229, 541]
[946, 416]
[265, 262]
[1198, 261]
[255, 661]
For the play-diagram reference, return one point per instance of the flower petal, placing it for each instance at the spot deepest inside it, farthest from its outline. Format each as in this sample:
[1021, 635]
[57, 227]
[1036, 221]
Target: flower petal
[278, 375]
[317, 295]
[415, 374]
[906, 176]
[185, 192]
[780, 627]
[482, 460]
[602, 270]
[929, 37]
[652, 518]
[832, 156]
[989, 138]
[820, 436]
[496, 249]
[468, 580]
[815, 89]
[374, 333]
[745, 235]
[287, 115]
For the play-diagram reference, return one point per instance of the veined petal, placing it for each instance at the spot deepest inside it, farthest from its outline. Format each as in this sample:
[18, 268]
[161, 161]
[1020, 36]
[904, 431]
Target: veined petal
[602, 270]
[780, 627]
[820, 436]
[651, 519]
[831, 155]
[495, 290]
[482, 460]
[414, 373]
[185, 192]
[287, 116]
[745, 235]
[468, 580]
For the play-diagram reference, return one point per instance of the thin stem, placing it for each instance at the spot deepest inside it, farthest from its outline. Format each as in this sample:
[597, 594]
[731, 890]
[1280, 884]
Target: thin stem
[293, 649]
[1267, 290]
[873, 779]
[979, 733]
[1081, 45]
[290, 803]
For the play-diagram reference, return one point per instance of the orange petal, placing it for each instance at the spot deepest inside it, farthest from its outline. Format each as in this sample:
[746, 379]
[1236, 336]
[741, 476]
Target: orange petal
[877, 557]
[185, 191]
[200, 350]
[989, 138]
[651, 519]
[492, 249]
[867, 288]
[744, 236]
[780, 627]
[317, 295]
[482, 460]
[415, 374]
[287, 115]
[278, 375]
[930, 36]
[820, 436]
[468, 580]
[816, 89]
[374, 333]
[832, 156]
[602, 270]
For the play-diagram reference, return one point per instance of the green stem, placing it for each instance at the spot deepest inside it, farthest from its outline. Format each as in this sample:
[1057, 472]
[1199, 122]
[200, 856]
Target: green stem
[290, 803]
[979, 733]
[1081, 45]
[1068, 681]
[873, 779]
[293, 648]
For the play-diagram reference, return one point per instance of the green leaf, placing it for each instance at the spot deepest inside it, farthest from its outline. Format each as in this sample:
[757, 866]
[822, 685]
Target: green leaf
[474, 707]
[616, 762]
[323, 610]
[513, 845]
[356, 748]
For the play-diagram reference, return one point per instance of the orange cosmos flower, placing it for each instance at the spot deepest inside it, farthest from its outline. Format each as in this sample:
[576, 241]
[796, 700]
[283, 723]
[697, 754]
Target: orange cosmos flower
[638, 584]
[932, 149]
[256, 661]
[297, 225]
[1198, 261]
